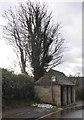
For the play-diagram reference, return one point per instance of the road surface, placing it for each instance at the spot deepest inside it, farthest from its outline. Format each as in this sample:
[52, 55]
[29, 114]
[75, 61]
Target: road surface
[67, 114]
[38, 113]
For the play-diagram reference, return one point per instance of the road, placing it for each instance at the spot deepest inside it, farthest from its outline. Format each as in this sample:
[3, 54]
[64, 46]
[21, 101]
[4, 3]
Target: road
[67, 114]
[30, 112]
[38, 113]
[76, 111]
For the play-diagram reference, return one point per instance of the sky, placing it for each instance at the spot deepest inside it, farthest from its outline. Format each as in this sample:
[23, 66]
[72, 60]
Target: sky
[69, 15]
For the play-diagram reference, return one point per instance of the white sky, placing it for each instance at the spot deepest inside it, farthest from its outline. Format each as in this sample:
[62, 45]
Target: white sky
[69, 14]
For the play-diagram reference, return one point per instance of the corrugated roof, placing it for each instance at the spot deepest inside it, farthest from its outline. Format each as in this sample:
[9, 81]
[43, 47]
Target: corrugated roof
[60, 78]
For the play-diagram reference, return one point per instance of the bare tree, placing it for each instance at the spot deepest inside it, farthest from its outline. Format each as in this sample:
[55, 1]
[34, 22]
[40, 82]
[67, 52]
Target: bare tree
[30, 30]
[13, 33]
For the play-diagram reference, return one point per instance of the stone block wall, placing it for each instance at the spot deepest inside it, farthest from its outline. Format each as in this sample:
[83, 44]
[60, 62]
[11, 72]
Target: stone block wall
[57, 94]
[45, 94]
[73, 94]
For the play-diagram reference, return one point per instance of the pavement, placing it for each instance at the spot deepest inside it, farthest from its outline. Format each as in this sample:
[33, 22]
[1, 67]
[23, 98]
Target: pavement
[29, 112]
[34, 112]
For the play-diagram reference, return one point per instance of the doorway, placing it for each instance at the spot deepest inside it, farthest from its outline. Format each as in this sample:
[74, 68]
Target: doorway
[62, 95]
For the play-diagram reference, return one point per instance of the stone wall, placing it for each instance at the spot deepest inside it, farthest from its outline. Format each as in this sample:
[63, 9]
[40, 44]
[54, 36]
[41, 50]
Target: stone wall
[57, 94]
[73, 94]
[45, 94]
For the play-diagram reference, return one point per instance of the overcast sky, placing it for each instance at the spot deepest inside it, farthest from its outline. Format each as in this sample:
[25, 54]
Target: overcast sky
[69, 14]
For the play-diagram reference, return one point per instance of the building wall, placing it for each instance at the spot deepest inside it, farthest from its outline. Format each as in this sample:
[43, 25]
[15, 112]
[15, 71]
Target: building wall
[64, 95]
[57, 94]
[45, 94]
[73, 94]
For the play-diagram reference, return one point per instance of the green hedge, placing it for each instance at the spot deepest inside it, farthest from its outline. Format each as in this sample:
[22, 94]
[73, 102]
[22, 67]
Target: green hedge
[16, 87]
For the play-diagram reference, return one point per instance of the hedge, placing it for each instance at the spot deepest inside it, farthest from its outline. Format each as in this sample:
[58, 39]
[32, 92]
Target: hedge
[16, 87]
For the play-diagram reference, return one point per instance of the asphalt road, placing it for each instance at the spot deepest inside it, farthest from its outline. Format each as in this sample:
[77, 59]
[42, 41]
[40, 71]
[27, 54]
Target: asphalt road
[67, 114]
[30, 112]
[76, 111]
[38, 112]
[34, 112]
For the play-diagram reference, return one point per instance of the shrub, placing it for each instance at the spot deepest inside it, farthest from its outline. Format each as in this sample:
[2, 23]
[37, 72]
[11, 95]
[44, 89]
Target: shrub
[16, 87]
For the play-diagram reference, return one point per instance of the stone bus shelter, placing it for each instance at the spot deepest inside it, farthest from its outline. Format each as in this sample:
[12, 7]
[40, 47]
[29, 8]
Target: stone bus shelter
[55, 88]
